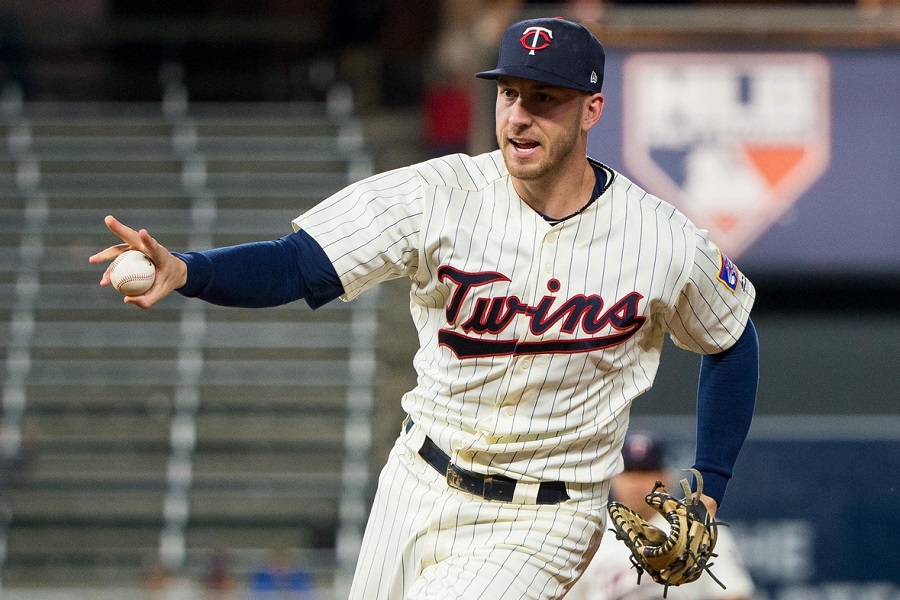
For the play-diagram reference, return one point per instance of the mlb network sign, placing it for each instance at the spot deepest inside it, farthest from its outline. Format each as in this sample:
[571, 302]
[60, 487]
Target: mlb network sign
[732, 140]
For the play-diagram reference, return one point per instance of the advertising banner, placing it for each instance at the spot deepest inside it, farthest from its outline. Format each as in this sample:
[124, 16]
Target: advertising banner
[790, 159]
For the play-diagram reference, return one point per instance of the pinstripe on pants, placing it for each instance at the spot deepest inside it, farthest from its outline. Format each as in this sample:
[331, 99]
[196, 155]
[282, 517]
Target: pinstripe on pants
[425, 541]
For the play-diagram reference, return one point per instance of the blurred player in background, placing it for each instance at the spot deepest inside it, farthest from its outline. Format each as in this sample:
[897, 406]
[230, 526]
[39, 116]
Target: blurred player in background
[611, 576]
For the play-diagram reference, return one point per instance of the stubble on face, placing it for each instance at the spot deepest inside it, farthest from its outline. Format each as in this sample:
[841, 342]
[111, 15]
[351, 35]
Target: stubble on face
[553, 154]
[555, 149]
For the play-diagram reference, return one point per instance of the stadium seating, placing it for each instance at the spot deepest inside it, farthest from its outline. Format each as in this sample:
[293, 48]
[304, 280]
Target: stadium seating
[177, 432]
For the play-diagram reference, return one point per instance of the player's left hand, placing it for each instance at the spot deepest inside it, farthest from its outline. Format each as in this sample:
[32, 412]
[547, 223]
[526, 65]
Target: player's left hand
[681, 554]
[711, 505]
[171, 272]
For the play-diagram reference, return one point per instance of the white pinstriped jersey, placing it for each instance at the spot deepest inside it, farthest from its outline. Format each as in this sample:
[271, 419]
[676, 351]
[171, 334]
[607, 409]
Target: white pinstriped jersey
[534, 338]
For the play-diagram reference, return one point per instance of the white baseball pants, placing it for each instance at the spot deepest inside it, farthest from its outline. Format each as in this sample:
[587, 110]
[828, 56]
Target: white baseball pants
[428, 541]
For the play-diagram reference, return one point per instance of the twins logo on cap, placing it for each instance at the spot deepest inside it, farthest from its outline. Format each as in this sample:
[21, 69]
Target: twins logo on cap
[556, 52]
[536, 38]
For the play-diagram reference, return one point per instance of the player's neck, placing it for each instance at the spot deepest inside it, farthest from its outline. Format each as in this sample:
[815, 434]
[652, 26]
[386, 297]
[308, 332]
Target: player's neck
[560, 194]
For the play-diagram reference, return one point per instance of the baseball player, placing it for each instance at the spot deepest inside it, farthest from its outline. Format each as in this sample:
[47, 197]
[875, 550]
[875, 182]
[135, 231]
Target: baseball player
[611, 576]
[542, 284]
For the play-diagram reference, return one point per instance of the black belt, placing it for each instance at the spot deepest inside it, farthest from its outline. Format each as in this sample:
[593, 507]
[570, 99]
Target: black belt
[489, 487]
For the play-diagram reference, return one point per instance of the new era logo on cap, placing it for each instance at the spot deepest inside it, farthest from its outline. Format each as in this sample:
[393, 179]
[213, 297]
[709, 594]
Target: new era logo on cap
[553, 51]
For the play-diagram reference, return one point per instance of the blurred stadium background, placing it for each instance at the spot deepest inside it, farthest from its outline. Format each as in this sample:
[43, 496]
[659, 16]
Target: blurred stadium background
[168, 453]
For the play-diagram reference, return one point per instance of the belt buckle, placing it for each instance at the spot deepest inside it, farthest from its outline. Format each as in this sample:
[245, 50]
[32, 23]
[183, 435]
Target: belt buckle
[456, 480]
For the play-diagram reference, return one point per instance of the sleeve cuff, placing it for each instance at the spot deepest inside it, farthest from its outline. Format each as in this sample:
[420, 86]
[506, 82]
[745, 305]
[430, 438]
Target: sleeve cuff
[714, 485]
[199, 273]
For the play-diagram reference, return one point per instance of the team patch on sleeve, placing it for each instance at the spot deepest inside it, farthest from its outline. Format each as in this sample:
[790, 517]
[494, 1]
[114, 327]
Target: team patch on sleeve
[728, 273]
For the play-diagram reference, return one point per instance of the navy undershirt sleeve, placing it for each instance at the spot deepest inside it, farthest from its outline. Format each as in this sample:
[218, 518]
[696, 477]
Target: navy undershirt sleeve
[726, 397]
[261, 274]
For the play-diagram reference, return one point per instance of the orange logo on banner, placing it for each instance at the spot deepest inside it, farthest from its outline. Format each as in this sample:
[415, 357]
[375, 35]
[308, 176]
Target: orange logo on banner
[775, 164]
[732, 140]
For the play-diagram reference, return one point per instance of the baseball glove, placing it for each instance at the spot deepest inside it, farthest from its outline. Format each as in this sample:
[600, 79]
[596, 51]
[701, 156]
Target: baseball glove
[679, 556]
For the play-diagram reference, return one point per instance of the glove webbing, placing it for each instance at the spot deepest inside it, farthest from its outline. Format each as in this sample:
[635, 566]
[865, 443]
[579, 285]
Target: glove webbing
[664, 557]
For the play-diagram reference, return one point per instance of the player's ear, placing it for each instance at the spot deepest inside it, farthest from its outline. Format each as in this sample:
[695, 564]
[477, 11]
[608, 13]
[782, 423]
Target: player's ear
[593, 110]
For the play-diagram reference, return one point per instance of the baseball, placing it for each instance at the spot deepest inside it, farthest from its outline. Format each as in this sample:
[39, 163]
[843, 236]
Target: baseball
[132, 273]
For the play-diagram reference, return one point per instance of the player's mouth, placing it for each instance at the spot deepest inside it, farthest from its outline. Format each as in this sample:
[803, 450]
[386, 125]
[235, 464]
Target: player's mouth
[524, 147]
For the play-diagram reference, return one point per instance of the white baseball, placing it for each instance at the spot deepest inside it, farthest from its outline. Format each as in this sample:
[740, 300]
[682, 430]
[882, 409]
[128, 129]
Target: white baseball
[132, 273]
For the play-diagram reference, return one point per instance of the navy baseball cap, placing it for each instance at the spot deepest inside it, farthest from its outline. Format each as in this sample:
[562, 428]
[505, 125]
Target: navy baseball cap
[553, 51]
[643, 452]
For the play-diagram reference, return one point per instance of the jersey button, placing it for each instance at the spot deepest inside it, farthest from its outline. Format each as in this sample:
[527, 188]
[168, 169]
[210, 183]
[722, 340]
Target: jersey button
[526, 362]
[509, 410]
[552, 237]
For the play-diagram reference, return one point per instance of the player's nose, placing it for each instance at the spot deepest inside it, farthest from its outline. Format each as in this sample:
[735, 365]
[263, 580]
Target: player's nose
[519, 113]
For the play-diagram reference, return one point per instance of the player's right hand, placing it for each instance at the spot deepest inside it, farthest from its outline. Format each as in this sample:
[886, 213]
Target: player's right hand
[171, 272]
